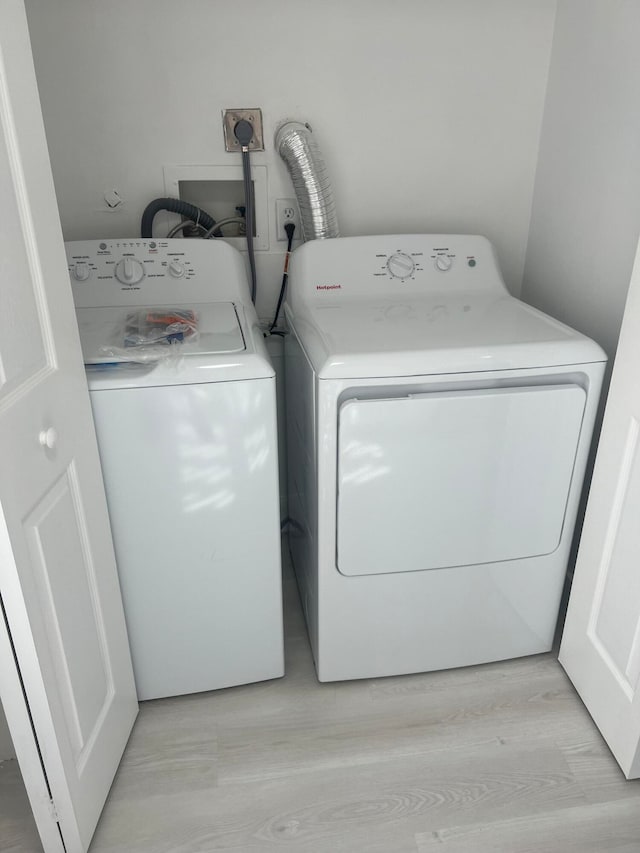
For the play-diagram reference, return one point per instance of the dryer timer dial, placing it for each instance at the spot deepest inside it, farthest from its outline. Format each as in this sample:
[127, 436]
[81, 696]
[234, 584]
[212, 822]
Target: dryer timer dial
[400, 265]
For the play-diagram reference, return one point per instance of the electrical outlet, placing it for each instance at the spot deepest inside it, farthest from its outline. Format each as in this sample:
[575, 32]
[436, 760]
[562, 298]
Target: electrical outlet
[230, 118]
[287, 211]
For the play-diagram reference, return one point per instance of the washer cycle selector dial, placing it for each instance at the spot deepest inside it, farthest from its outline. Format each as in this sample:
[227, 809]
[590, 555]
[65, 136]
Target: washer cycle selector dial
[443, 263]
[400, 265]
[129, 271]
[176, 269]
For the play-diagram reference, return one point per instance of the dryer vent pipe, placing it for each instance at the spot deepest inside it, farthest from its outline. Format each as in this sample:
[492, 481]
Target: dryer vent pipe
[299, 150]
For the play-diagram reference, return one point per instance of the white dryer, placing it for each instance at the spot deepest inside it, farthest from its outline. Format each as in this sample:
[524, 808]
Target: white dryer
[438, 432]
[189, 456]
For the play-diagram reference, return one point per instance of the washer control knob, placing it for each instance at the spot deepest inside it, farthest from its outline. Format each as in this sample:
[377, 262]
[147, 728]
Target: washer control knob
[129, 271]
[81, 271]
[400, 265]
[443, 263]
[176, 269]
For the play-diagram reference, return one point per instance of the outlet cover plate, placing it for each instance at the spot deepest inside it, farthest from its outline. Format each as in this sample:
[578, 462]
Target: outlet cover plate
[229, 120]
[287, 211]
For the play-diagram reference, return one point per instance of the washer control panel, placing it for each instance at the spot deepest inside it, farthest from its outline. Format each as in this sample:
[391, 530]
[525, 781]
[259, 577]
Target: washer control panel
[155, 272]
[128, 264]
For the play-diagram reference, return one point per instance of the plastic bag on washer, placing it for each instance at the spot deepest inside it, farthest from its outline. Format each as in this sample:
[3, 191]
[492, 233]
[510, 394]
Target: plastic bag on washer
[153, 334]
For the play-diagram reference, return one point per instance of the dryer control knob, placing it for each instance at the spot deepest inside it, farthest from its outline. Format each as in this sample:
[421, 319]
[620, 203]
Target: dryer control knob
[400, 265]
[129, 271]
[81, 271]
[176, 269]
[443, 263]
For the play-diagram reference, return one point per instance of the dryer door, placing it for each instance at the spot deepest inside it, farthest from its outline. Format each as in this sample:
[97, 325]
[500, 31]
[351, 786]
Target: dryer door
[454, 478]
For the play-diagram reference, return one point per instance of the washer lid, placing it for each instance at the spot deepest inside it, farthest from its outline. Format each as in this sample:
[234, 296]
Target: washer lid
[439, 334]
[102, 333]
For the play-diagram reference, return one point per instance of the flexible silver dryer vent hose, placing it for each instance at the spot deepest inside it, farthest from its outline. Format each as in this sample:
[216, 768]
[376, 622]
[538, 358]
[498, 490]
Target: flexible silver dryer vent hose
[299, 150]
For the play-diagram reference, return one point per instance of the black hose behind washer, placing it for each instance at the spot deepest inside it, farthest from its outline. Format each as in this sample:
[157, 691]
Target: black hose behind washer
[173, 205]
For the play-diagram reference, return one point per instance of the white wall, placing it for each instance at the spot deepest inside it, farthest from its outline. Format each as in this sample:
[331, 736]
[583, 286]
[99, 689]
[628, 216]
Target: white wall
[428, 112]
[586, 213]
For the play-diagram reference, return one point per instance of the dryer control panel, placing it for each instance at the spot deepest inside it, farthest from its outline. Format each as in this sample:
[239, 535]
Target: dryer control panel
[405, 265]
[141, 272]
[386, 266]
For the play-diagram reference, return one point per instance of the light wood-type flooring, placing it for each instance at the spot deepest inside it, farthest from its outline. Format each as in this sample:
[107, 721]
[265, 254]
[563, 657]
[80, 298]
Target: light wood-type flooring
[500, 758]
[18, 833]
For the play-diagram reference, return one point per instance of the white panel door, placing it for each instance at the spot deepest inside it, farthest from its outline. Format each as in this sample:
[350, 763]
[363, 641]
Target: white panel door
[601, 642]
[58, 578]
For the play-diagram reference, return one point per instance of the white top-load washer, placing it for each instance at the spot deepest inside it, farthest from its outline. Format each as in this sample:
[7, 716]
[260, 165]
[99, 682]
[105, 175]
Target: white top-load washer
[189, 457]
[438, 432]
